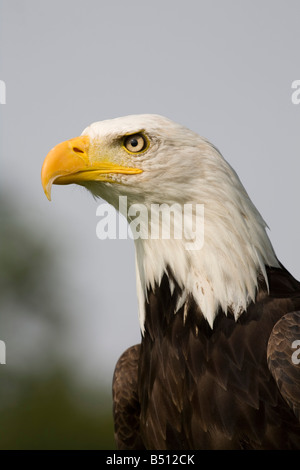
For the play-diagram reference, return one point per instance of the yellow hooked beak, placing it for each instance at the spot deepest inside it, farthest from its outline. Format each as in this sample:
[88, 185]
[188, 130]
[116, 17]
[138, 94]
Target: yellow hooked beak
[71, 162]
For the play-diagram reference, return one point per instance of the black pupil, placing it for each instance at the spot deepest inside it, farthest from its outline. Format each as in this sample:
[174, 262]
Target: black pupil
[134, 142]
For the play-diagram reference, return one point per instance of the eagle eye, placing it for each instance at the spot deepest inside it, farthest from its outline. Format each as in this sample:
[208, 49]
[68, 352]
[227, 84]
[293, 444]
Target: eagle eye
[135, 143]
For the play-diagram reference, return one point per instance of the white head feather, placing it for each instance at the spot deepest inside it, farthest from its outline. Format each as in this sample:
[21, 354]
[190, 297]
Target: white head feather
[181, 167]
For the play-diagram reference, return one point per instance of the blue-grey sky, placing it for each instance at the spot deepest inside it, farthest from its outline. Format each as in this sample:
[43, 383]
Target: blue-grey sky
[222, 68]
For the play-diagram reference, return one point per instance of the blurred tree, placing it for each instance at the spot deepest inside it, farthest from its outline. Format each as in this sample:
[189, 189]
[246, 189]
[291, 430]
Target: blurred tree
[41, 406]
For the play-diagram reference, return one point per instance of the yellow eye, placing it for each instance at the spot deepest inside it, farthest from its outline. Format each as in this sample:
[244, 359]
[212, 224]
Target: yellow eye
[135, 143]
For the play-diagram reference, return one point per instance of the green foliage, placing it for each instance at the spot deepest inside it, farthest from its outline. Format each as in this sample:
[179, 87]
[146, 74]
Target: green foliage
[41, 405]
[46, 416]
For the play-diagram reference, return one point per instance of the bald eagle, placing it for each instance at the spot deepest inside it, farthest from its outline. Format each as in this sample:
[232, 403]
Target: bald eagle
[219, 323]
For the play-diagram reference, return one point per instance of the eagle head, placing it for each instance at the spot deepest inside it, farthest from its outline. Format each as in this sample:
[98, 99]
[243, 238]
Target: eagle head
[155, 162]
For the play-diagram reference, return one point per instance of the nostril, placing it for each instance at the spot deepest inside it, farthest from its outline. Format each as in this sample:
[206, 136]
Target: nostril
[77, 150]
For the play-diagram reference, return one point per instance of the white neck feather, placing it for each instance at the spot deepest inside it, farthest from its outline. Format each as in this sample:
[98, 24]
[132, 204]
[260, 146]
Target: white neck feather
[224, 272]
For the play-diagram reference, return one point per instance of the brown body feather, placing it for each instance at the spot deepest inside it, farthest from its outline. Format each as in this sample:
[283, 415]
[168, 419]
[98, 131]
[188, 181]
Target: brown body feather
[190, 387]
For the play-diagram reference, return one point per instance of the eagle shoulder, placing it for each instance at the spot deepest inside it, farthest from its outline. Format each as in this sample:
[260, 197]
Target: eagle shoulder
[126, 405]
[283, 360]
